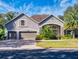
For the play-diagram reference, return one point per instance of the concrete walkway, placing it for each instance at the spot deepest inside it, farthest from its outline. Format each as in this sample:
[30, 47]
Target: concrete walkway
[33, 47]
[24, 47]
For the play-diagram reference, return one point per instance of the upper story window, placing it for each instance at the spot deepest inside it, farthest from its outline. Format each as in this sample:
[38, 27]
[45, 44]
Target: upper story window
[22, 23]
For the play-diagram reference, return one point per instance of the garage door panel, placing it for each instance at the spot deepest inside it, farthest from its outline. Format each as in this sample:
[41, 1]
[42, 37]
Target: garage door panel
[27, 36]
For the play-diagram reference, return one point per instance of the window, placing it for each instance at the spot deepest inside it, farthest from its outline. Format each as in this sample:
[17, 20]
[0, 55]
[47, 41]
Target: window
[22, 22]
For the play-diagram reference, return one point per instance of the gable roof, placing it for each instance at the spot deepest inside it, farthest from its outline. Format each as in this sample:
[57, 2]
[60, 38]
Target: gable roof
[41, 18]
[36, 18]
[20, 15]
[15, 18]
[54, 17]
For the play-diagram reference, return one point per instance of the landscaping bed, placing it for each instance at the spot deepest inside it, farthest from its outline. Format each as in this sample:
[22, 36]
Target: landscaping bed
[58, 43]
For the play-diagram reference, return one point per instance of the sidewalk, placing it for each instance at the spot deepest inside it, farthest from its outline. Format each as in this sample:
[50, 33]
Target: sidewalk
[32, 47]
[63, 49]
[24, 47]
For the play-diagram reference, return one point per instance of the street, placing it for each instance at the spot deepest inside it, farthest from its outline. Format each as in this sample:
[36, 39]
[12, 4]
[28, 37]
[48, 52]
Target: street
[38, 54]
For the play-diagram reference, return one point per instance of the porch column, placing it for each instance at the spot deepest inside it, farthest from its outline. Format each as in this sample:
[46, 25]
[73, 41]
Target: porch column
[62, 30]
[17, 35]
[6, 36]
[38, 32]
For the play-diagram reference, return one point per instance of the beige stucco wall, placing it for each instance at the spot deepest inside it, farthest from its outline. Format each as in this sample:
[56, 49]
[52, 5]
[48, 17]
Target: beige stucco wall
[53, 20]
[30, 25]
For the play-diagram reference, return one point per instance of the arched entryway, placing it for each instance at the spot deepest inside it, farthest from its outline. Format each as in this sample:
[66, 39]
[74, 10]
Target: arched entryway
[55, 28]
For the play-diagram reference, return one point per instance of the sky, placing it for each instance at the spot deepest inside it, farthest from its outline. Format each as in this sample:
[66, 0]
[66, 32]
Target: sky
[33, 7]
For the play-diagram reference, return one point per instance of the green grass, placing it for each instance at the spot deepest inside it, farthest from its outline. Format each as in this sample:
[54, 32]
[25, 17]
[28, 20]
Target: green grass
[58, 44]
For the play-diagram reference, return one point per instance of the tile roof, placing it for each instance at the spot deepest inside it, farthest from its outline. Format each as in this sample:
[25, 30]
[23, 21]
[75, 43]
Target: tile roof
[39, 17]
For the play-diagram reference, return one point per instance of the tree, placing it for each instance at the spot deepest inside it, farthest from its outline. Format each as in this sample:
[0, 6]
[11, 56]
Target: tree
[2, 20]
[10, 15]
[2, 32]
[71, 18]
[7, 17]
[61, 17]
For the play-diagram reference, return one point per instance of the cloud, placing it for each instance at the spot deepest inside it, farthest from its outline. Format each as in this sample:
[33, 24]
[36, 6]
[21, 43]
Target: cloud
[46, 10]
[30, 9]
[26, 8]
[66, 3]
[6, 6]
[63, 2]
[11, 7]
[57, 8]
[39, 10]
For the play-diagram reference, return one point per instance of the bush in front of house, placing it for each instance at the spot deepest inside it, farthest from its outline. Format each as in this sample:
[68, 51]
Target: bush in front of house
[39, 37]
[67, 36]
[46, 34]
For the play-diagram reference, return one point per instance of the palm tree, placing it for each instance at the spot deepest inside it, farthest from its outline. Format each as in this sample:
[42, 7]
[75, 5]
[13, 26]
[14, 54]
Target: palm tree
[71, 19]
[2, 20]
[10, 15]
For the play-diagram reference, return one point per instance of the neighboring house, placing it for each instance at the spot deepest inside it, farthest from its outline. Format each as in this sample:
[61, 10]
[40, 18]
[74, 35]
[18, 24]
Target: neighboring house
[24, 27]
[69, 32]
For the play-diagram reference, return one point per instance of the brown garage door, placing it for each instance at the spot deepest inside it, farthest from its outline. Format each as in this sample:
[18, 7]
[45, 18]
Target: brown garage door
[27, 35]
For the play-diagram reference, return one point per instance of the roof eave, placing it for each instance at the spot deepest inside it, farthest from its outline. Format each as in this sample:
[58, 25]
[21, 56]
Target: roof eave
[14, 18]
[53, 16]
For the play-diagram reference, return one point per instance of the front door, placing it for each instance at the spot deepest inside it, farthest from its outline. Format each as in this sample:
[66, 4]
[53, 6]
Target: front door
[12, 35]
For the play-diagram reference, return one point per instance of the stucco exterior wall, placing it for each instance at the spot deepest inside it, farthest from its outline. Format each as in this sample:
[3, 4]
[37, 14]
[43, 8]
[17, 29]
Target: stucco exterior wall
[30, 25]
[55, 21]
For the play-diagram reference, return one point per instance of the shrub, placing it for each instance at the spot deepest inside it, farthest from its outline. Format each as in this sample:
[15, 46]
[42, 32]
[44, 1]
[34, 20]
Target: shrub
[67, 36]
[53, 36]
[39, 37]
[2, 32]
[48, 33]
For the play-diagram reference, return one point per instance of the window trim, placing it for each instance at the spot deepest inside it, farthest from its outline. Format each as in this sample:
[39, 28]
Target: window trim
[22, 23]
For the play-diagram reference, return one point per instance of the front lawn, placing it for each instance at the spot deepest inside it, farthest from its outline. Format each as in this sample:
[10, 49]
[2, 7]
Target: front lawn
[58, 43]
